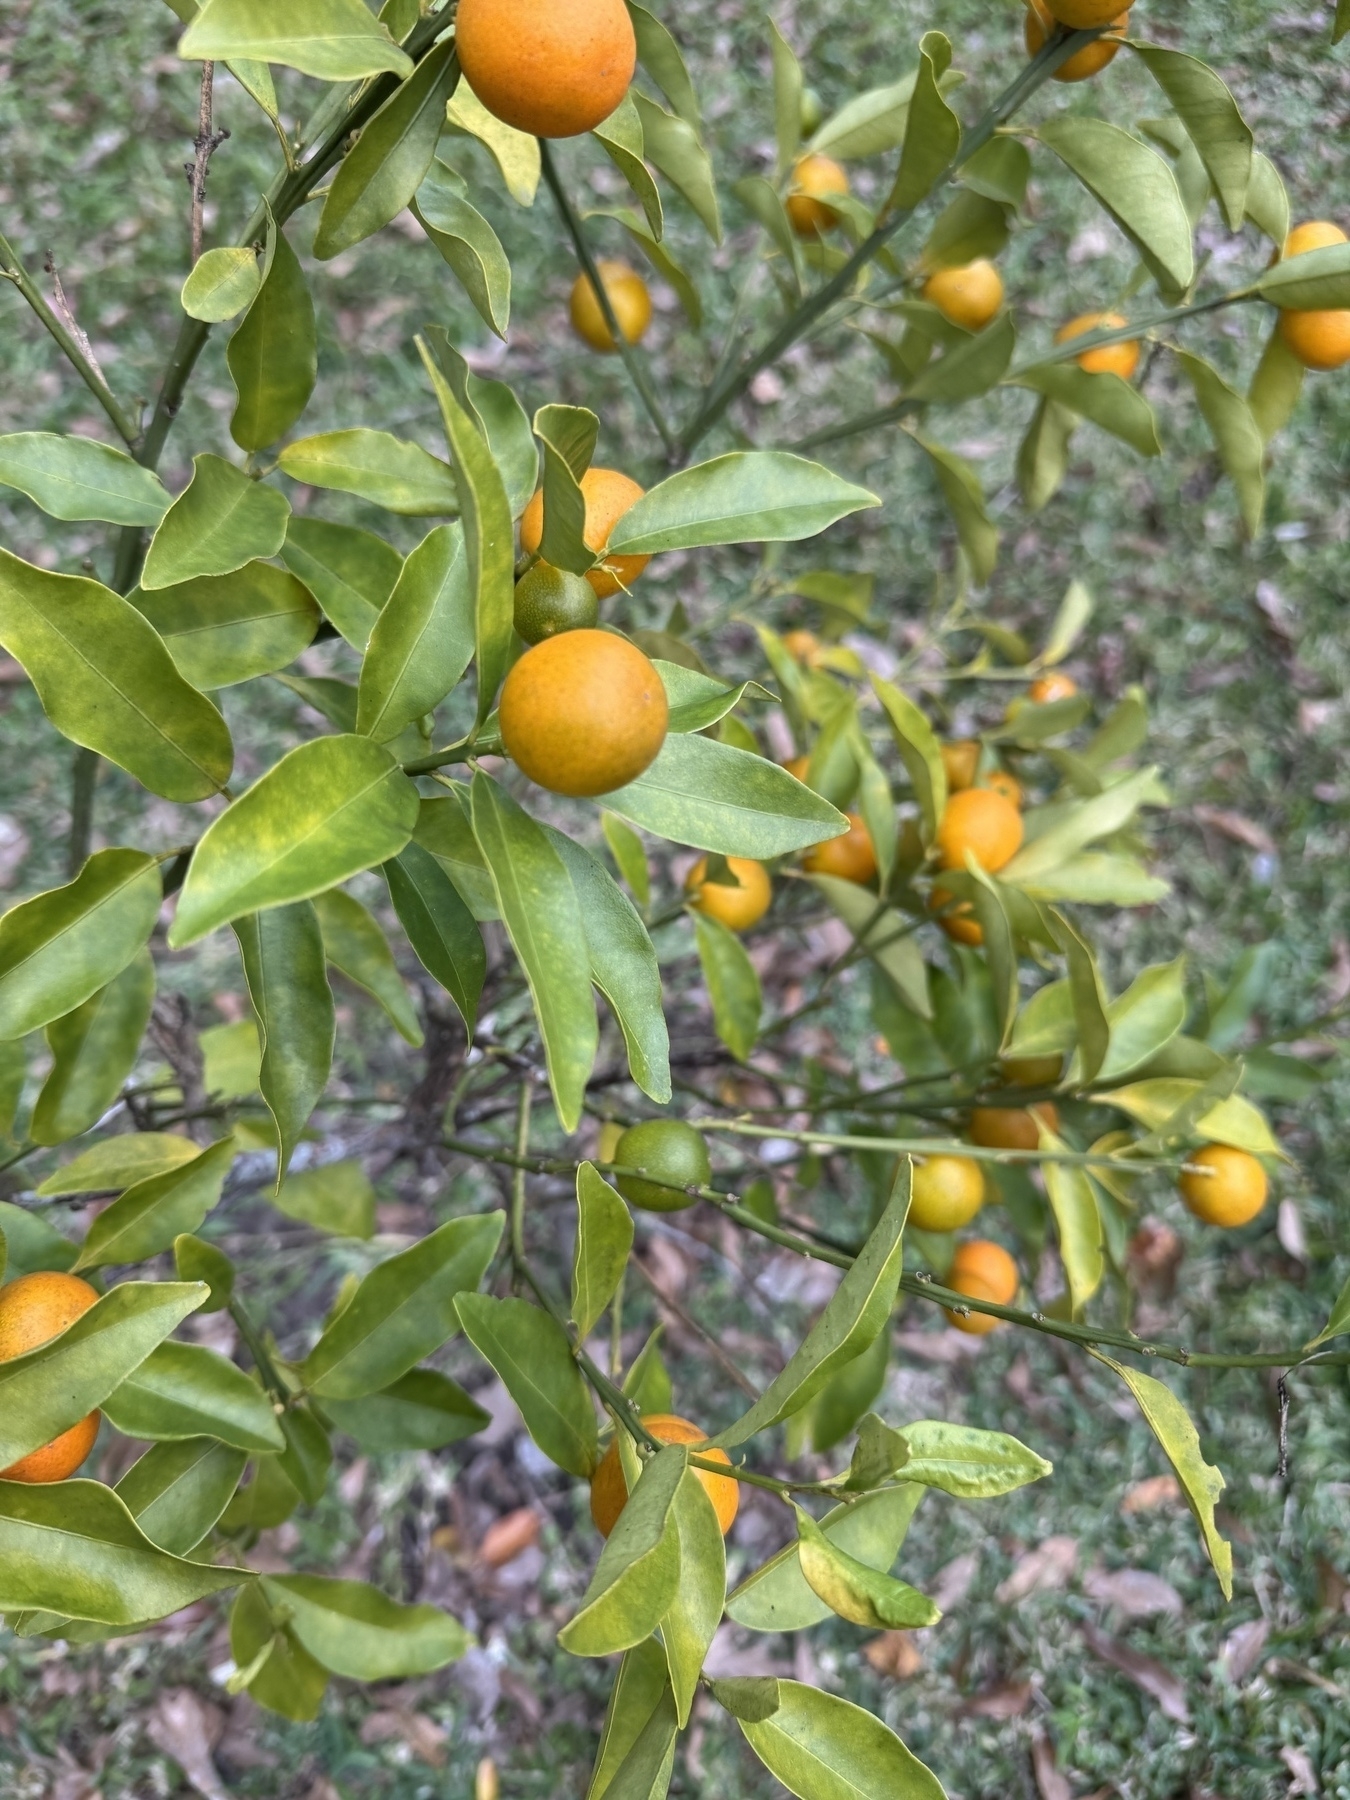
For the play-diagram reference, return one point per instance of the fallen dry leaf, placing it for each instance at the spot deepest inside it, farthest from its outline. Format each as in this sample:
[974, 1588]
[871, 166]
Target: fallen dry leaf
[1154, 1255]
[424, 1737]
[1151, 1677]
[894, 1653]
[1148, 1495]
[1048, 1565]
[1051, 1784]
[1134, 1592]
[1007, 1700]
[1336, 984]
[1299, 1765]
[1242, 1650]
[1237, 826]
[1289, 1230]
[506, 1537]
[187, 1729]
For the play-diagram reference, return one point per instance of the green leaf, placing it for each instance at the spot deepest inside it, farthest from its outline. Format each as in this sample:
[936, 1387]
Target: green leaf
[714, 797]
[869, 124]
[46, 1391]
[176, 1492]
[1172, 1107]
[350, 573]
[747, 496]
[539, 907]
[688, 1627]
[515, 153]
[282, 1675]
[1201, 1483]
[120, 1162]
[1043, 459]
[733, 985]
[186, 1391]
[285, 968]
[776, 1596]
[508, 433]
[1091, 1024]
[620, 137]
[273, 356]
[30, 1243]
[1338, 1321]
[1247, 988]
[60, 948]
[106, 681]
[384, 169]
[824, 1748]
[327, 810]
[663, 60]
[423, 640]
[852, 1590]
[674, 146]
[79, 478]
[375, 466]
[152, 1213]
[568, 435]
[640, 1701]
[223, 629]
[1237, 436]
[422, 1410]
[932, 129]
[630, 857]
[919, 751]
[1341, 24]
[604, 1239]
[335, 1197]
[968, 227]
[335, 40]
[196, 1260]
[885, 934]
[530, 1351]
[788, 84]
[1210, 114]
[222, 283]
[999, 170]
[73, 1549]
[1149, 1014]
[970, 369]
[638, 1573]
[1276, 386]
[762, 200]
[219, 522]
[860, 1307]
[958, 1459]
[836, 1409]
[1082, 824]
[489, 535]
[1098, 880]
[94, 1050]
[468, 243]
[1268, 202]
[1104, 400]
[402, 1311]
[965, 500]
[355, 1630]
[232, 1059]
[1137, 188]
[354, 943]
[1078, 1222]
[440, 927]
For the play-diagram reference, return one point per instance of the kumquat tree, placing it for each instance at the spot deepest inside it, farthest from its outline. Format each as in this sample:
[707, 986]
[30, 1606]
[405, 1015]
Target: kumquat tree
[563, 807]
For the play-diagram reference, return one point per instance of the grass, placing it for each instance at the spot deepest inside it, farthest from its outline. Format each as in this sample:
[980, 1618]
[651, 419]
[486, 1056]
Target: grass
[1242, 651]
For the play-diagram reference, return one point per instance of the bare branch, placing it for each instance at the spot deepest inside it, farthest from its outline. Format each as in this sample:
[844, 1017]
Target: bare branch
[206, 143]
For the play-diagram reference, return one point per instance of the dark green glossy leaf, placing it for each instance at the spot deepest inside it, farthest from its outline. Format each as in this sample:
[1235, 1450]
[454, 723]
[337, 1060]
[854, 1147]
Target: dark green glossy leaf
[285, 967]
[273, 356]
[440, 927]
[354, 943]
[422, 1410]
[196, 1260]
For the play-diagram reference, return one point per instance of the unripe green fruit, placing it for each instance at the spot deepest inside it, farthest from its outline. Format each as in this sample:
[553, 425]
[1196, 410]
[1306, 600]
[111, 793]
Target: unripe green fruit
[550, 600]
[812, 111]
[673, 1156]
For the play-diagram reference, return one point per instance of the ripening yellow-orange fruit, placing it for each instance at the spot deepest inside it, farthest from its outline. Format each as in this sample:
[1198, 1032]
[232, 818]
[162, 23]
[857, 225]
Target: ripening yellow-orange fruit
[608, 494]
[969, 296]
[948, 1192]
[738, 908]
[1320, 340]
[628, 296]
[815, 180]
[986, 824]
[1012, 1127]
[1085, 63]
[609, 1486]
[956, 917]
[984, 1271]
[553, 71]
[34, 1309]
[799, 766]
[1106, 359]
[583, 713]
[852, 856]
[802, 646]
[1084, 15]
[1223, 1186]
[1052, 687]
[961, 761]
[999, 781]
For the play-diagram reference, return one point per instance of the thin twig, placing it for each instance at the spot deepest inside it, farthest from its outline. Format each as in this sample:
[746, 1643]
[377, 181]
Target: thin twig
[692, 1325]
[205, 144]
[67, 312]
[74, 348]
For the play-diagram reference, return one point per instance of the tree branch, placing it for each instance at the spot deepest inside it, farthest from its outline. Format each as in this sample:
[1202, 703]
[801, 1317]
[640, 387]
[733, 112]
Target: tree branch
[74, 347]
[205, 144]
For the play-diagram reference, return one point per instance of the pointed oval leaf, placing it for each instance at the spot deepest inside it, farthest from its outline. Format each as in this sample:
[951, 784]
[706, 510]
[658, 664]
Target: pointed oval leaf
[638, 1572]
[186, 1391]
[932, 129]
[1137, 188]
[604, 1239]
[176, 1492]
[422, 641]
[375, 466]
[335, 1197]
[422, 1410]
[335, 40]
[284, 965]
[354, 943]
[355, 1630]
[94, 1050]
[777, 1597]
[823, 1748]
[530, 1351]
[1210, 114]
[689, 1626]
[79, 478]
[219, 522]
[674, 146]
[351, 573]
[1237, 436]
[733, 985]
[327, 810]
[150, 1215]
[273, 356]
[119, 1163]
[223, 629]
[855, 1592]
[440, 927]
[222, 283]
[747, 496]
[1104, 399]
